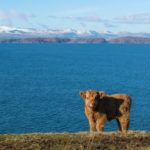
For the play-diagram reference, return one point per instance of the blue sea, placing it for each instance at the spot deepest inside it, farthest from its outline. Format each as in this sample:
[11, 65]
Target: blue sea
[40, 84]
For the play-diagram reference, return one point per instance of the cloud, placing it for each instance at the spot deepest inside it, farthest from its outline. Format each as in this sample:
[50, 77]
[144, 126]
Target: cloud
[85, 19]
[41, 25]
[83, 25]
[9, 16]
[143, 18]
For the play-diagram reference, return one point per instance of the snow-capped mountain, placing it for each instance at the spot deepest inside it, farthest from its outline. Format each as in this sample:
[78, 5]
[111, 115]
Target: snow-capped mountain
[12, 32]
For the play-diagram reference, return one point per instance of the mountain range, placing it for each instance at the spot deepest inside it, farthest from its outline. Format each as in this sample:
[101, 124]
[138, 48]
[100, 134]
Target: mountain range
[29, 35]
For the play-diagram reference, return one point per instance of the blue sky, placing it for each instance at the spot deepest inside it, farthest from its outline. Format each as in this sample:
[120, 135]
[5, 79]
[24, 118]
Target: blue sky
[98, 15]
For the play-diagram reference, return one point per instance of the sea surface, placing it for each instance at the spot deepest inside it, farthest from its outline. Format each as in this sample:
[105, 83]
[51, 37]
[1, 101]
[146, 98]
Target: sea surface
[40, 84]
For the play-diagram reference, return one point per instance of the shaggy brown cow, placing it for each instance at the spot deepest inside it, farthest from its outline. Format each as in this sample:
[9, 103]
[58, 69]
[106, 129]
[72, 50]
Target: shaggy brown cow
[100, 108]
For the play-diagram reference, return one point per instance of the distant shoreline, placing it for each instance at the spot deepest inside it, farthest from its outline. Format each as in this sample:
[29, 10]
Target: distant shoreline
[119, 40]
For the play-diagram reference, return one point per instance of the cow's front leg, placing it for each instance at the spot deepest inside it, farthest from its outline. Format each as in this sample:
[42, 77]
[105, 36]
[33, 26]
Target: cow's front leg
[100, 123]
[92, 126]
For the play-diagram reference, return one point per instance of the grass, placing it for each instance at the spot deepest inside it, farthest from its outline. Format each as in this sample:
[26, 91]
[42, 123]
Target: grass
[76, 141]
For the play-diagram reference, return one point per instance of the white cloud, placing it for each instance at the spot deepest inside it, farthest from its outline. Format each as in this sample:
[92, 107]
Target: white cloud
[82, 18]
[143, 18]
[13, 14]
[85, 19]
[3, 15]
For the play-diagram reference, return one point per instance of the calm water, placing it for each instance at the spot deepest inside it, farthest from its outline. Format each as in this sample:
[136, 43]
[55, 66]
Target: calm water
[40, 84]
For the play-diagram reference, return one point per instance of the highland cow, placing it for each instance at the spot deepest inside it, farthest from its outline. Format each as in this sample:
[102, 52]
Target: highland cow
[100, 108]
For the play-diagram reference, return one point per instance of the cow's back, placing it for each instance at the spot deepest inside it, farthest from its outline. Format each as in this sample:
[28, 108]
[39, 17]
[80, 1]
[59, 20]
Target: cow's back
[113, 105]
[125, 98]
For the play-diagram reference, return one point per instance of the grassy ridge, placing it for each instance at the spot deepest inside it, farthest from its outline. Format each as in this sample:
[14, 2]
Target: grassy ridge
[76, 141]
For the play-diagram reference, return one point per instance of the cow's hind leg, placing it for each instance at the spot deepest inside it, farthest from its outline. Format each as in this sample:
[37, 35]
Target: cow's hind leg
[124, 123]
[119, 125]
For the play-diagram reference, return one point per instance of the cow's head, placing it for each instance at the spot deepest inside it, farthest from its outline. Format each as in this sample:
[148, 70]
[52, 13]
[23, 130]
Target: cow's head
[91, 98]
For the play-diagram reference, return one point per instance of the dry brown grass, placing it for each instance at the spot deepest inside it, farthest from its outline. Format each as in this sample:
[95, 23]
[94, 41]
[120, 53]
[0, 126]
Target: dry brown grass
[76, 141]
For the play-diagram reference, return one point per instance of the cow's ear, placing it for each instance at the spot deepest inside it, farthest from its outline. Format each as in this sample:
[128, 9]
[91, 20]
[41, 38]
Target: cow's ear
[83, 94]
[101, 94]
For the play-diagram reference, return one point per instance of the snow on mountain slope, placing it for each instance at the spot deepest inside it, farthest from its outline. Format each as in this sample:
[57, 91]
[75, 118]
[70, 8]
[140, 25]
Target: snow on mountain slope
[12, 32]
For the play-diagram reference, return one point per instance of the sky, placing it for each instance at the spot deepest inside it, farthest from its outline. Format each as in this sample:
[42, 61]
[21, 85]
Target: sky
[83, 15]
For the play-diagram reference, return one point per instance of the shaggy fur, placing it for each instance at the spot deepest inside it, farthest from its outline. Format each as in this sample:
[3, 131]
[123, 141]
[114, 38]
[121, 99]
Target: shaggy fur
[100, 108]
